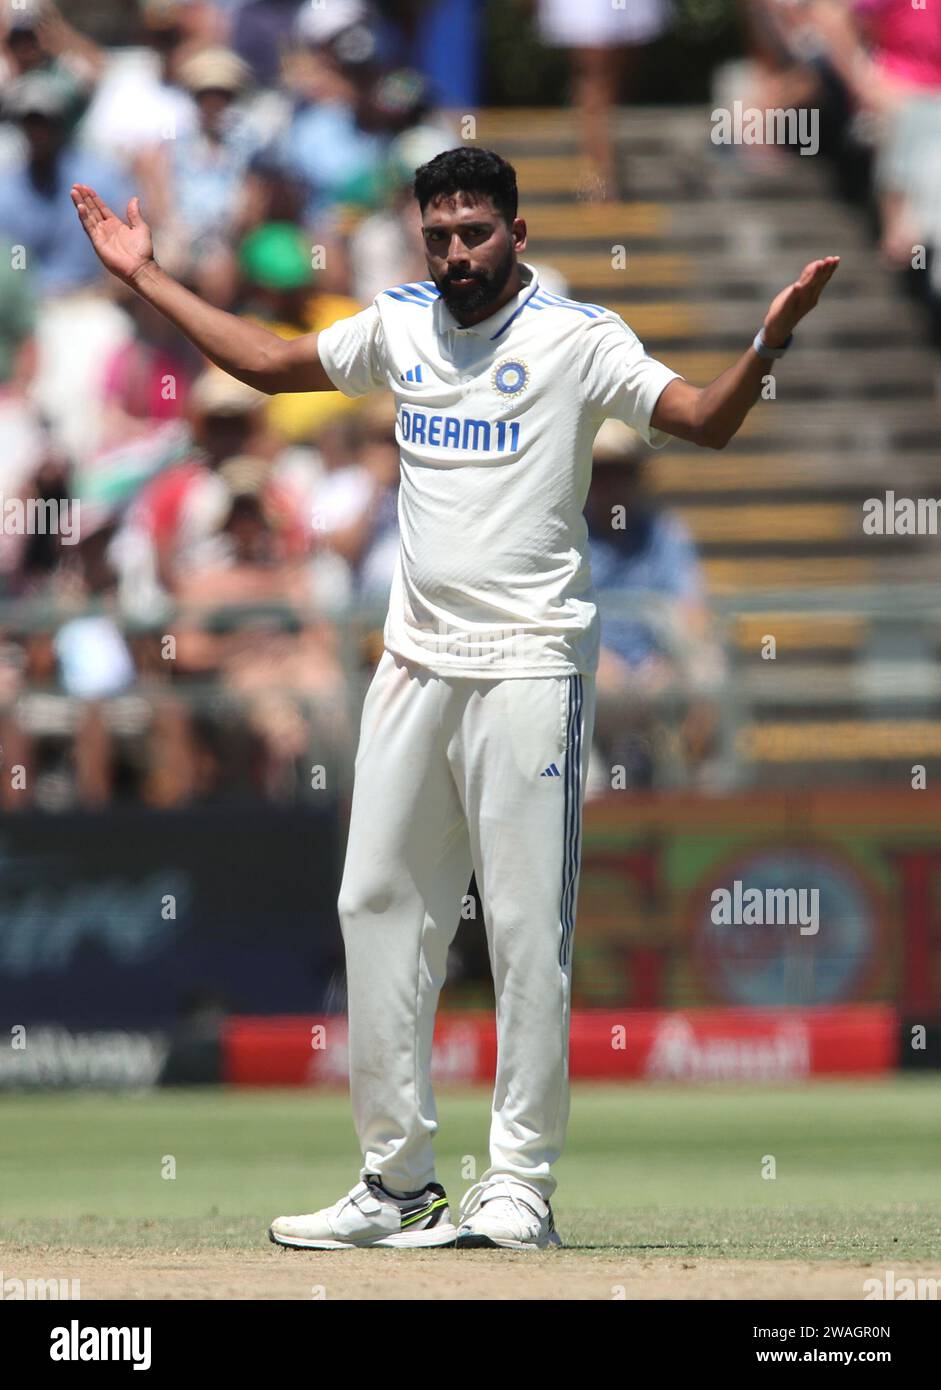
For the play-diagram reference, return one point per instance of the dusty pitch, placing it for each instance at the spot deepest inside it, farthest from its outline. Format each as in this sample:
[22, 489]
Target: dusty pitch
[448, 1274]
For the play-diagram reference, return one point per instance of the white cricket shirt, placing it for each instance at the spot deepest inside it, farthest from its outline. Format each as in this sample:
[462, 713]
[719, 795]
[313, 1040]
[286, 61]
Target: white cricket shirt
[495, 425]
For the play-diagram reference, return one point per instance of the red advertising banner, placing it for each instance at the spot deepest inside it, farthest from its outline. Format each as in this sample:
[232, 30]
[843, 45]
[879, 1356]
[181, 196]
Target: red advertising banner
[638, 1045]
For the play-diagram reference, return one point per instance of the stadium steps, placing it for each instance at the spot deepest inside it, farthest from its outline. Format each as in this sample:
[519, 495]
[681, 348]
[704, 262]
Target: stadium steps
[726, 577]
[834, 631]
[862, 751]
[766, 524]
[684, 479]
[870, 373]
[847, 326]
[708, 239]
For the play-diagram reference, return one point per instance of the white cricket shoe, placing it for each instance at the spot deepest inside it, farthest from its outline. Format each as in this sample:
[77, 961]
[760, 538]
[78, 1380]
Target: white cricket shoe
[368, 1215]
[505, 1212]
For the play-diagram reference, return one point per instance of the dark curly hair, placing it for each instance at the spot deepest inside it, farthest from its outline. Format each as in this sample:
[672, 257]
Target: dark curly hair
[469, 169]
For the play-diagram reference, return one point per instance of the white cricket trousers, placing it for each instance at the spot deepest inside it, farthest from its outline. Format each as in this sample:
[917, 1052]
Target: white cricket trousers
[455, 774]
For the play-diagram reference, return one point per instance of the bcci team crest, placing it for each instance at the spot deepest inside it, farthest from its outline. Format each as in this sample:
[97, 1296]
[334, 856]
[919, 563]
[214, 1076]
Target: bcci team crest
[510, 377]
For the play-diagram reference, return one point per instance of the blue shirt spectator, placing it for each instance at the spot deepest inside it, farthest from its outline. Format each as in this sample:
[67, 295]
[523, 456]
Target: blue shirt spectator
[42, 218]
[36, 211]
[654, 553]
[325, 149]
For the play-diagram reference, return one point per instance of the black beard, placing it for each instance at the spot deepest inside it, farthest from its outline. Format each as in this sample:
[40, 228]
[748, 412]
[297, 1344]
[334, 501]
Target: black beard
[484, 293]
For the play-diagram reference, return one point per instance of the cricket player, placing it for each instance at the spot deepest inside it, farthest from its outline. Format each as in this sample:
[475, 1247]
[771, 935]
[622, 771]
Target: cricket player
[473, 747]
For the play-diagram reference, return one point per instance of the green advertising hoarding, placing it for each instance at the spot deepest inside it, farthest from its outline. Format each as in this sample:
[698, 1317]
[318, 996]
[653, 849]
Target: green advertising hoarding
[803, 898]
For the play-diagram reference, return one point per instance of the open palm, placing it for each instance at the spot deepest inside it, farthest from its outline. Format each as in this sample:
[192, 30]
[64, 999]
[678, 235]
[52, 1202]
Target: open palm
[122, 247]
[798, 299]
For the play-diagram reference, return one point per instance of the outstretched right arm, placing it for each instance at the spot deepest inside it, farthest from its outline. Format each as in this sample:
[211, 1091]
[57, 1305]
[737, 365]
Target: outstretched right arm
[245, 350]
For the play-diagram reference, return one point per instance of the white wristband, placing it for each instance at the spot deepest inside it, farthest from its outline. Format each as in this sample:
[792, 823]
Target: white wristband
[769, 353]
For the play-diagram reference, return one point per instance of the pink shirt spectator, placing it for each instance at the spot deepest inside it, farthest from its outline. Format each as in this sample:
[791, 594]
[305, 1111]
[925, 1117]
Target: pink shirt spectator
[146, 382]
[906, 41]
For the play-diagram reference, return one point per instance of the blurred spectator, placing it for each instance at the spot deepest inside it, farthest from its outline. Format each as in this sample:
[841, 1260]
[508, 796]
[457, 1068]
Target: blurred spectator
[36, 211]
[908, 186]
[138, 104]
[38, 724]
[36, 38]
[379, 547]
[346, 31]
[386, 246]
[788, 68]
[94, 658]
[604, 40]
[270, 652]
[37, 235]
[261, 32]
[885, 51]
[326, 144]
[396, 106]
[32, 559]
[146, 380]
[271, 193]
[871, 70]
[357, 504]
[331, 490]
[194, 184]
[281, 292]
[258, 541]
[858, 56]
[56, 687]
[174, 522]
[21, 438]
[659, 646]
[17, 325]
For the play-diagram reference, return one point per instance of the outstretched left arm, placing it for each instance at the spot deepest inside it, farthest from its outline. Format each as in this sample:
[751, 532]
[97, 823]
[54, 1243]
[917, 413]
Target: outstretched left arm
[711, 415]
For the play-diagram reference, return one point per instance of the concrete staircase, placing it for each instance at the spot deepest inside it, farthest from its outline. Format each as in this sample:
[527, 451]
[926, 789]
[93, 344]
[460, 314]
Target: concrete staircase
[854, 693]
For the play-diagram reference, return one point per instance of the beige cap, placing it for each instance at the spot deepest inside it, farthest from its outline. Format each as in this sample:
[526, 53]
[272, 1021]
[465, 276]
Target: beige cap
[217, 393]
[244, 475]
[618, 442]
[217, 69]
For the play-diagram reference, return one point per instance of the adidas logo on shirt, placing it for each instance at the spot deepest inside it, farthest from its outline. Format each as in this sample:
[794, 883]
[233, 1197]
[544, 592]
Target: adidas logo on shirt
[551, 771]
[413, 374]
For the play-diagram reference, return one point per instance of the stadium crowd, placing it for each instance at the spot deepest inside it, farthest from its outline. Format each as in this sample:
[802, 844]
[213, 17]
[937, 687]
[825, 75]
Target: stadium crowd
[179, 644]
[186, 642]
[192, 640]
[873, 70]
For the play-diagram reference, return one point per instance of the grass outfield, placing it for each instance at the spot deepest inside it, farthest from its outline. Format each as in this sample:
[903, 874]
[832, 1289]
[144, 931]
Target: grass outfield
[662, 1171]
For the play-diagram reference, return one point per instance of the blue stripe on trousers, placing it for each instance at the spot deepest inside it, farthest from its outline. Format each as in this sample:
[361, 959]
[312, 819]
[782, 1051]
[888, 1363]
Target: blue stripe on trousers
[571, 817]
